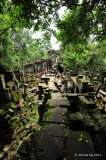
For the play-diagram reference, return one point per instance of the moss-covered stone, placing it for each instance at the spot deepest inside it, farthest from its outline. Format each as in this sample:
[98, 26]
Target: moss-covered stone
[17, 157]
[23, 148]
[7, 95]
[11, 155]
[10, 84]
[2, 111]
[12, 105]
[17, 95]
[2, 154]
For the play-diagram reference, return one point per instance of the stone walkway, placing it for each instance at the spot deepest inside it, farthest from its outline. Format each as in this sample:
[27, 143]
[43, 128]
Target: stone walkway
[56, 141]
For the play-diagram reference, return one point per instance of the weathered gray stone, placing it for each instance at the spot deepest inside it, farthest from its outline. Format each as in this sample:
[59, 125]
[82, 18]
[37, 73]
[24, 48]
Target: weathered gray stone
[84, 104]
[55, 115]
[58, 103]
[7, 95]
[23, 148]
[80, 146]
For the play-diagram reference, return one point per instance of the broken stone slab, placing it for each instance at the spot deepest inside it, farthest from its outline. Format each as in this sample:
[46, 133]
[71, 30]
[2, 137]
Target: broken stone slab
[17, 95]
[80, 145]
[6, 95]
[75, 116]
[57, 130]
[56, 95]
[23, 148]
[85, 104]
[46, 150]
[72, 94]
[102, 92]
[56, 115]
[52, 87]
[51, 141]
[86, 101]
[80, 84]
[57, 102]
[100, 144]
[43, 85]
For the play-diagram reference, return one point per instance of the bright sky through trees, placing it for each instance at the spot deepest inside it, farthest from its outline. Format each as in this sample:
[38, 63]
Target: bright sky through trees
[54, 43]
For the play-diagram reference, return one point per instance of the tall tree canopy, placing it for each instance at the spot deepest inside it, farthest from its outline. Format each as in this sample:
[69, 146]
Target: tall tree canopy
[40, 13]
[84, 18]
[17, 48]
[82, 24]
[87, 19]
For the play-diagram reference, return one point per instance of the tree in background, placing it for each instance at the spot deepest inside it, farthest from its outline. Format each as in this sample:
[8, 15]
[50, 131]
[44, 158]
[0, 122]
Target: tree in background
[16, 43]
[84, 18]
[90, 57]
[18, 48]
[81, 25]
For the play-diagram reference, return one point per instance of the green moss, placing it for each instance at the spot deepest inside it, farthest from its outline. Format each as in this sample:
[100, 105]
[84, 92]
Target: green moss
[10, 84]
[12, 105]
[17, 95]
[2, 111]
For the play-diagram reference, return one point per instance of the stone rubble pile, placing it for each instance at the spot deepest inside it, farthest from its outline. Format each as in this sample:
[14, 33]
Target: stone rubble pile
[34, 105]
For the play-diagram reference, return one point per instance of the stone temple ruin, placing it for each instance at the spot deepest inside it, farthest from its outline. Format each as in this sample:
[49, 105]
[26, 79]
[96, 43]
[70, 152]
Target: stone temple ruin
[38, 66]
[52, 116]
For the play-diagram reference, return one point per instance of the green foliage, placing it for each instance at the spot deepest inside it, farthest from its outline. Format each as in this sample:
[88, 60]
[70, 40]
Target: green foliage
[22, 13]
[6, 50]
[77, 57]
[84, 19]
[83, 138]
[81, 25]
[18, 48]
[34, 116]
[87, 15]
[97, 60]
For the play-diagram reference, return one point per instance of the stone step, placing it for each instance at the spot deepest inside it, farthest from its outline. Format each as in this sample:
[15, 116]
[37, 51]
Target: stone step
[57, 103]
[56, 95]
[52, 87]
[56, 115]
[51, 142]
[80, 146]
[43, 85]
